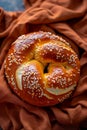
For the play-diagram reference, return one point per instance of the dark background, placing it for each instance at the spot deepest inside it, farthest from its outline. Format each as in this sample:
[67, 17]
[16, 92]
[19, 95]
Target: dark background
[12, 5]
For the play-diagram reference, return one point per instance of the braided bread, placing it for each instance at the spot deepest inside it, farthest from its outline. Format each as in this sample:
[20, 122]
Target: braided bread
[42, 68]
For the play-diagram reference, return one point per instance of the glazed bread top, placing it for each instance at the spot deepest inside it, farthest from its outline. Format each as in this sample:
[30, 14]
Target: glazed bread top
[42, 68]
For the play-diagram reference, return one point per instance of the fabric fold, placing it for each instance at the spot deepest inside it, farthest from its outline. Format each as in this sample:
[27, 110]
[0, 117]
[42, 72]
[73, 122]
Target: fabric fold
[65, 18]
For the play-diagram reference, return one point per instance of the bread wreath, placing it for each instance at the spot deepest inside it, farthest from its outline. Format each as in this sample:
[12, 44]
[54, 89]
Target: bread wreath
[42, 68]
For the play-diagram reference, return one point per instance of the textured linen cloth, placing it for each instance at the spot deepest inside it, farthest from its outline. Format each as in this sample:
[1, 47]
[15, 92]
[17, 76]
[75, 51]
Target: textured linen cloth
[67, 18]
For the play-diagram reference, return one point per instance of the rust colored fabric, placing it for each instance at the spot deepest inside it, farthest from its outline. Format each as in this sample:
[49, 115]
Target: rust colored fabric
[67, 18]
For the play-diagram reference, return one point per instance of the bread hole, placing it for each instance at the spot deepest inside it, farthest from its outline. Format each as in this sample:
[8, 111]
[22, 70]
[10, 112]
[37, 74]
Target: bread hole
[67, 67]
[46, 68]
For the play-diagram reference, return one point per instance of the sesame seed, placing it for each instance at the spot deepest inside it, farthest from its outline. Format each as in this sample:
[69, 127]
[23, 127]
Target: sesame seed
[46, 48]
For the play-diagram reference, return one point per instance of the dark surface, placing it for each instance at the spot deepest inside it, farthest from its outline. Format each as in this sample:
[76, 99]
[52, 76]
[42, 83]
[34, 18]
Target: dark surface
[12, 5]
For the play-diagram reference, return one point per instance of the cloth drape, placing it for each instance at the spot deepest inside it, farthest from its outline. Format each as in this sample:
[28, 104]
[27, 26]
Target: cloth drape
[67, 18]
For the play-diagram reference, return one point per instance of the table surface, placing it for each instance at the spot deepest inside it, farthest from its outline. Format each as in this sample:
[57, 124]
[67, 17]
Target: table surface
[12, 5]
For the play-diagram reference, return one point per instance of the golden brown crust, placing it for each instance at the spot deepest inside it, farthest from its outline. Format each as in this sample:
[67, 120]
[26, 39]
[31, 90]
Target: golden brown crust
[42, 68]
